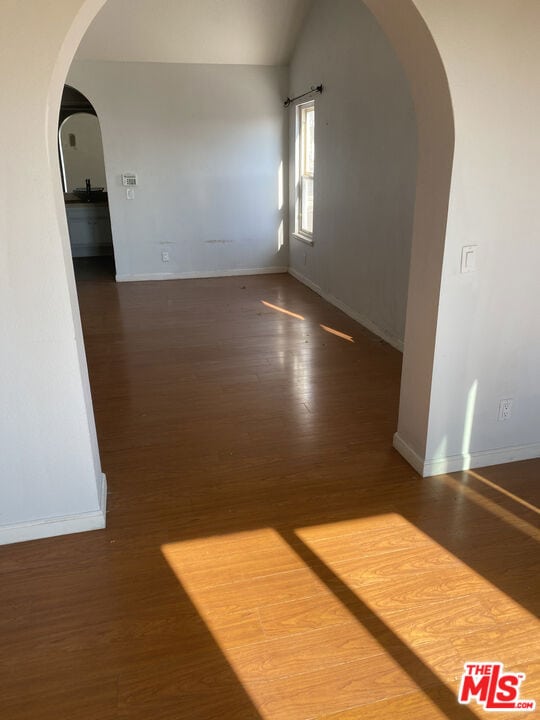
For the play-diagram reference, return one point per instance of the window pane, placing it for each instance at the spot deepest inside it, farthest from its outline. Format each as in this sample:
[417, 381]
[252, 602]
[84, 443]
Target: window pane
[309, 141]
[307, 205]
[305, 171]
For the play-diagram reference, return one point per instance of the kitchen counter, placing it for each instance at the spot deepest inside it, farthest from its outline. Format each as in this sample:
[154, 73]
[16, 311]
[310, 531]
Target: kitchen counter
[72, 199]
[89, 226]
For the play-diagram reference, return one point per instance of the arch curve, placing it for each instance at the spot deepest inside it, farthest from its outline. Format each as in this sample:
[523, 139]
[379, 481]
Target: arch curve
[73, 101]
[417, 51]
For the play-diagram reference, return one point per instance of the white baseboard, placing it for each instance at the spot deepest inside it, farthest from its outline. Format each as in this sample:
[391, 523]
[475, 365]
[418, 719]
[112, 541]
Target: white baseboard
[368, 324]
[52, 527]
[200, 274]
[102, 494]
[468, 461]
[410, 455]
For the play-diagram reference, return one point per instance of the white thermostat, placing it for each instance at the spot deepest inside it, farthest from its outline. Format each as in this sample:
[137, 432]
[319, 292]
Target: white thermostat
[129, 179]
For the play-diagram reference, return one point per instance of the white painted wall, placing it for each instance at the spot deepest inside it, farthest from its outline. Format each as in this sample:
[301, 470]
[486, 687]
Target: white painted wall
[50, 476]
[365, 166]
[208, 143]
[488, 333]
[85, 158]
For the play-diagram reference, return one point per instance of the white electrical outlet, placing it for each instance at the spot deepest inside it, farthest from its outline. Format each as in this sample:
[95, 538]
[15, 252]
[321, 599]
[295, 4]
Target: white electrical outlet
[505, 409]
[165, 256]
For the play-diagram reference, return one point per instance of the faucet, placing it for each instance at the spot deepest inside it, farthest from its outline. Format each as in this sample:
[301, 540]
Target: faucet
[88, 189]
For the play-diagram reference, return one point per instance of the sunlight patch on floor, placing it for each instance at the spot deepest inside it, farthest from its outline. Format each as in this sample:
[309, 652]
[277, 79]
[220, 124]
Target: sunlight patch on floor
[301, 647]
[504, 491]
[337, 333]
[284, 632]
[466, 493]
[282, 310]
[433, 602]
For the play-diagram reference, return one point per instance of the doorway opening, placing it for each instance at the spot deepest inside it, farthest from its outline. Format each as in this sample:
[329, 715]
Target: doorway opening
[84, 181]
[429, 89]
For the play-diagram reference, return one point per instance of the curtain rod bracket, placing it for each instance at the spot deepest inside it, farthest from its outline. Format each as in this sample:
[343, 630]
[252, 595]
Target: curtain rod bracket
[314, 89]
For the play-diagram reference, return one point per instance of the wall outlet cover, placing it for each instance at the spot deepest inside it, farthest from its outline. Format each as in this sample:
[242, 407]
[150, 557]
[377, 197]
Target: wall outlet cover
[505, 409]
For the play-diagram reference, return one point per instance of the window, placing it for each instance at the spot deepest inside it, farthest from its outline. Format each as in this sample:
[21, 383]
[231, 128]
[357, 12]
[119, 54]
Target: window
[305, 168]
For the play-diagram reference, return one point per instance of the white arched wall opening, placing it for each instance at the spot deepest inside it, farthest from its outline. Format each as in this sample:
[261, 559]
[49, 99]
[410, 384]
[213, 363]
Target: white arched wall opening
[51, 477]
[50, 480]
[416, 49]
[104, 157]
[486, 343]
[74, 171]
[60, 485]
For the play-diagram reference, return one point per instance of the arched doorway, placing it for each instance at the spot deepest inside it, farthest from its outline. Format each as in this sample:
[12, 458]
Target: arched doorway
[84, 183]
[47, 321]
[414, 45]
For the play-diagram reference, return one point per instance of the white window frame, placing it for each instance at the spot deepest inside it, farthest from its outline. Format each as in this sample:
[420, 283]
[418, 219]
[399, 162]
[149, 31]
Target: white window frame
[299, 232]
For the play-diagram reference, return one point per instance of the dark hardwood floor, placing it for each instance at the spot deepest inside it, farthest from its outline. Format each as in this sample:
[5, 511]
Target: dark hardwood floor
[268, 554]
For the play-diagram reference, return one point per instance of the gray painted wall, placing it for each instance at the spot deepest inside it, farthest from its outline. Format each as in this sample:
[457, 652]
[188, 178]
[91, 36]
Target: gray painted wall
[207, 143]
[366, 154]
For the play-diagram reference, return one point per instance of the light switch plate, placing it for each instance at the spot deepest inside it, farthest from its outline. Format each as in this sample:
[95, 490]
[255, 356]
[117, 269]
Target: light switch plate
[468, 258]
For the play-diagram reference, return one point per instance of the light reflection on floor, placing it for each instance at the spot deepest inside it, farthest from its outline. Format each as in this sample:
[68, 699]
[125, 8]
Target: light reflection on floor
[504, 491]
[469, 494]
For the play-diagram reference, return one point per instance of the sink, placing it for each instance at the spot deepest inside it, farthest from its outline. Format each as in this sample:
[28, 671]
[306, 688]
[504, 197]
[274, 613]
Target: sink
[95, 195]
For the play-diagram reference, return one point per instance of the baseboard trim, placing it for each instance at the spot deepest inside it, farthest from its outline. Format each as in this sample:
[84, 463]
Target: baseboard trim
[365, 322]
[410, 455]
[195, 275]
[102, 495]
[466, 461]
[53, 527]
[500, 456]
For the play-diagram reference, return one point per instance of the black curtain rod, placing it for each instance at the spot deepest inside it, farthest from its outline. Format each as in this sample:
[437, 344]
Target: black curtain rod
[314, 89]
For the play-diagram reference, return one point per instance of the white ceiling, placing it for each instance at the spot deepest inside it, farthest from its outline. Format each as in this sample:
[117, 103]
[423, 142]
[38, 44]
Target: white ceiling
[246, 32]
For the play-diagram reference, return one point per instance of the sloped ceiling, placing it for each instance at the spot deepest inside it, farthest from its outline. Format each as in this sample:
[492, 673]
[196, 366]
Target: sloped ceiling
[245, 32]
